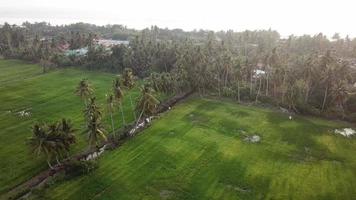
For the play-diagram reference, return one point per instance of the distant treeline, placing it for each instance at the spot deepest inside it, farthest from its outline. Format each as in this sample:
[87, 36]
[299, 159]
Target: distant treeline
[306, 74]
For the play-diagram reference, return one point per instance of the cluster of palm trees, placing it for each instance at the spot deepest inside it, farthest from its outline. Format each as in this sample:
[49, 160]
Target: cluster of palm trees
[92, 114]
[52, 140]
[317, 82]
[163, 82]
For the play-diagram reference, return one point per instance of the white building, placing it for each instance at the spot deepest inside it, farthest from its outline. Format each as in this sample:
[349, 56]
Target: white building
[111, 43]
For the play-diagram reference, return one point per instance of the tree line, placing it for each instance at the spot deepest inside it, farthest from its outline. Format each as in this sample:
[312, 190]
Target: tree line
[306, 74]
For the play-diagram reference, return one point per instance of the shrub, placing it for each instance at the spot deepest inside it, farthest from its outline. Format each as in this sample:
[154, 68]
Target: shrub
[61, 60]
[351, 117]
[351, 103]
[78, 168]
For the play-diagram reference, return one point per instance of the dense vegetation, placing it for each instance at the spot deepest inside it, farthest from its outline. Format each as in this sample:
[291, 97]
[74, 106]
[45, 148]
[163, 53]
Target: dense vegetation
[199, 151]
[306, 74]
[65, 105]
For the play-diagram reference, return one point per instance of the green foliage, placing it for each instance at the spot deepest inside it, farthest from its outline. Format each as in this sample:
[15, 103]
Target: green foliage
[53, 140]
[95, 128]
[78, 168]
[299, 72]
[128, 78]
[351, 103]
[48, 98]
[197, 151]
[147, 104]
[84, 90]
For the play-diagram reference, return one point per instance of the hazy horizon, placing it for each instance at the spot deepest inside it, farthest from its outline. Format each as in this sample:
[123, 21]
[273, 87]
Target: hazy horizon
[286, 17]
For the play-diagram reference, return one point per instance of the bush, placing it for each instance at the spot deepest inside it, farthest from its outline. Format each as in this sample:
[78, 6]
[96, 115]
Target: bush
[61, 60]
[78, 168]
[351, 117]
[351, 104]
[268, 100]
[228, 92]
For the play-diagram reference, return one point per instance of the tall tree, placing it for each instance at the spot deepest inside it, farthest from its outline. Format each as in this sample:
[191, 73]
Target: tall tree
[41, 144]
[129, 83]
[84, 90]
[95, 129]
[110, 107]
[147, 104]
[119, 97]
[52, 140]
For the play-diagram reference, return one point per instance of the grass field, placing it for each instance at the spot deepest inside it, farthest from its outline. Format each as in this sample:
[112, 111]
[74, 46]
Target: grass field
[198, 151]
[49, 97]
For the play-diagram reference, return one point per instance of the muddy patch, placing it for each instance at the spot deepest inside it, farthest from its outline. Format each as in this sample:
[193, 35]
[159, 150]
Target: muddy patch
[166, 194]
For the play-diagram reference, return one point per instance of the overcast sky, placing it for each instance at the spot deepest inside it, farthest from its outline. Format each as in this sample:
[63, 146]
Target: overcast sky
[286, 16]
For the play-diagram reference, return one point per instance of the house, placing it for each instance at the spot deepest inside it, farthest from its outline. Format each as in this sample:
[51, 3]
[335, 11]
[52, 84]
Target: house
[258, 73]
[63, 47]
[77, 52]
[111, 43]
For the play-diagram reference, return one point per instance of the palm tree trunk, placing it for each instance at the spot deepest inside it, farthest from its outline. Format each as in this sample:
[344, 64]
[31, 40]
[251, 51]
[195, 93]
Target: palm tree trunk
[267, 84]
[58, 160]
[283, 88]
[226, 76]
[132, 107]
[112, 124]
[49, 163]
[259, 89]
[122, 115]
[219, 86]
[325, 96]
[251, 83]
[238, 91]
[306, 97]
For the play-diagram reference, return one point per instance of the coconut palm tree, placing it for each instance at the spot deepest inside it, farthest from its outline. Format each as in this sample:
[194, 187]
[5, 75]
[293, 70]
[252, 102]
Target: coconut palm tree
[84, 90]
[119, 96]
[128, 78]
[110, 107]
[147, 104]
[42, 142]
[95, 128]
[129, 83]
[66, 133]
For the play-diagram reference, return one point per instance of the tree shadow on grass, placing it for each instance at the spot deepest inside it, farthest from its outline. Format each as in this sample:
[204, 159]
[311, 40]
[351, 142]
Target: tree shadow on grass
[237, 113]
[211, 173]
[301, 133]
[197, 117]
[232, 128]
[208, 105]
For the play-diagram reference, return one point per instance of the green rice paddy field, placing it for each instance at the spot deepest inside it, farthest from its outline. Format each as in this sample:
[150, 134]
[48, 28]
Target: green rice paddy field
[198, 151]
[47, 97]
